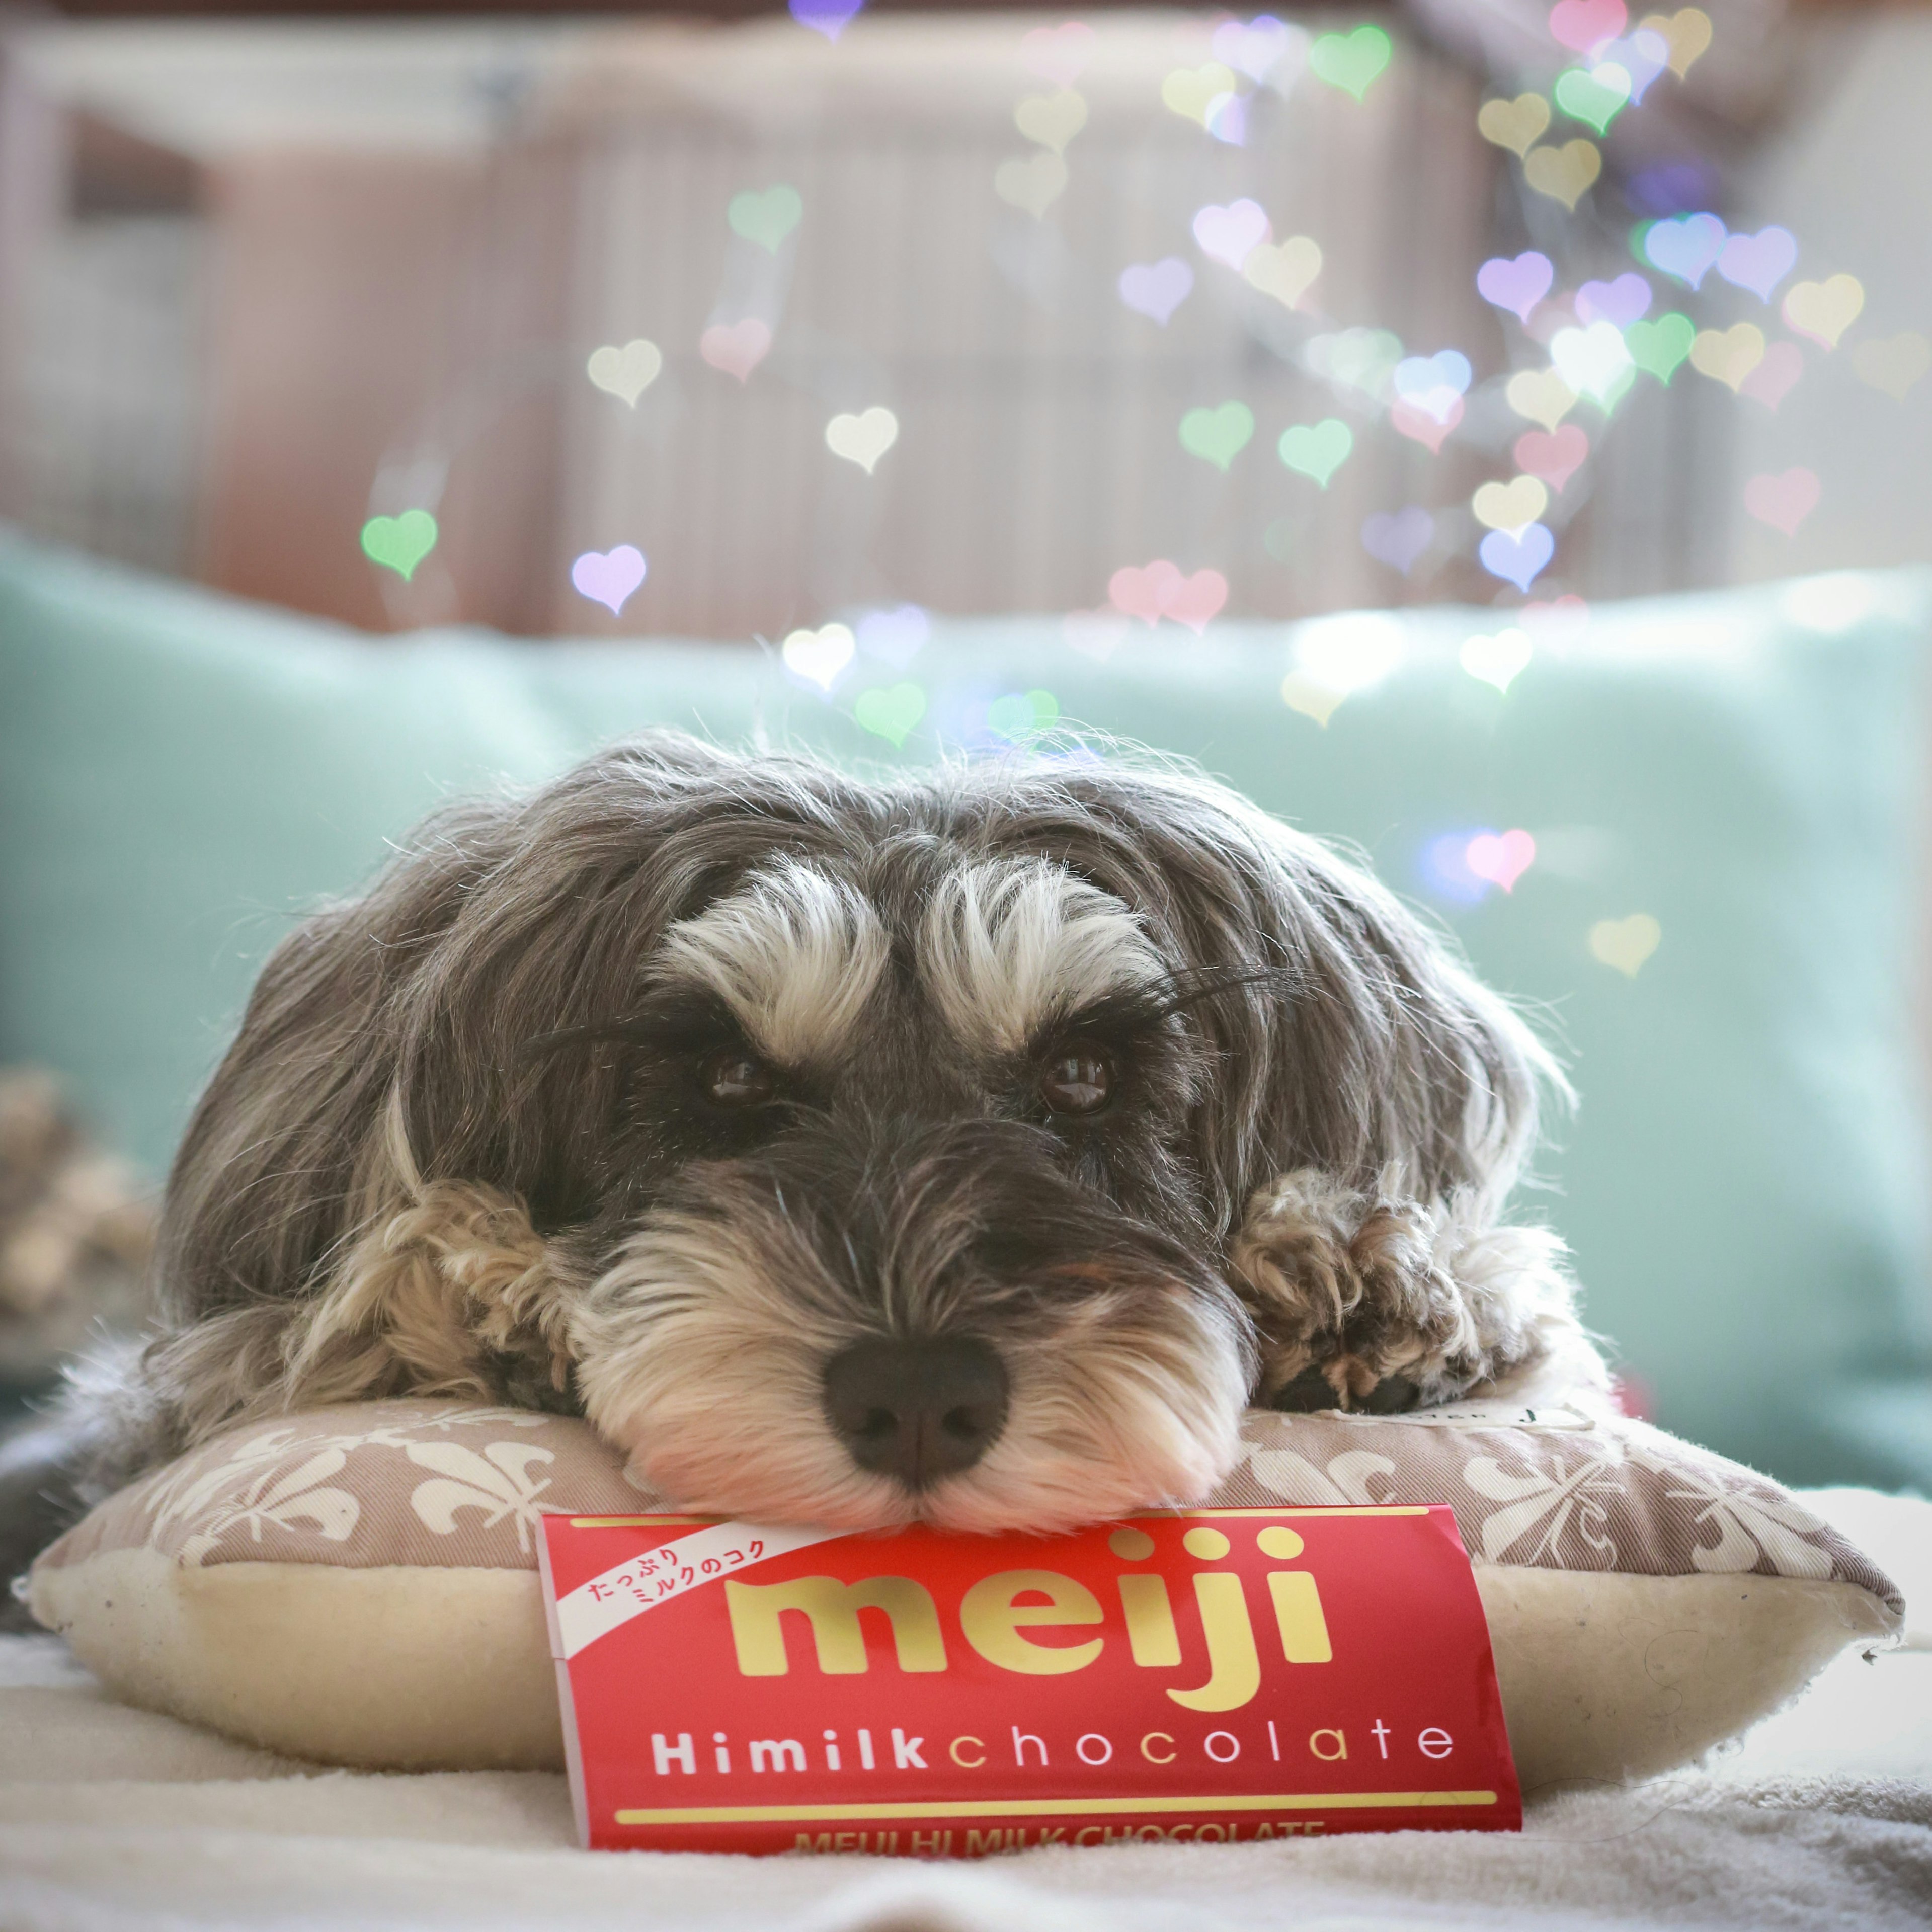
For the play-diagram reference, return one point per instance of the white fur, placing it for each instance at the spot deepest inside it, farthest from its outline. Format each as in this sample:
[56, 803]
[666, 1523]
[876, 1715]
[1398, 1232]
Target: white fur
[1007, 946]
[793, 954]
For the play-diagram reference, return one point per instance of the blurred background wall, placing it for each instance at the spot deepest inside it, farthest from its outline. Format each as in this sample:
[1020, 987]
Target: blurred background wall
[264, 280]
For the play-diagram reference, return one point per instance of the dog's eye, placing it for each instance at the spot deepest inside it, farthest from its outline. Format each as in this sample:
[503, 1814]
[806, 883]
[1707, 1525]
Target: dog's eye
[1078, 1081]
[734, 1077]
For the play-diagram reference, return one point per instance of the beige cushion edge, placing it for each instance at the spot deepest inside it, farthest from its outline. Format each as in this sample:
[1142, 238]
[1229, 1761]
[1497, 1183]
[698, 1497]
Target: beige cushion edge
[401, 1669]
[1604, 1675]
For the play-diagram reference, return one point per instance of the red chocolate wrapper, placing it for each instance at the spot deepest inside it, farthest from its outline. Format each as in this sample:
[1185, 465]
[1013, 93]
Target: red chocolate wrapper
[1217, 1675]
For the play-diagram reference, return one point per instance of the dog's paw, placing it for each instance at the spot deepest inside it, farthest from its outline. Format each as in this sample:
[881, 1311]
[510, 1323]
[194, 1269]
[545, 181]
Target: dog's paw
[1363, 1300]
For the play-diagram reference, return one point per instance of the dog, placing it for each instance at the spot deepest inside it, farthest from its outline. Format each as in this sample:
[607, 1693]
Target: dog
[969, 1148]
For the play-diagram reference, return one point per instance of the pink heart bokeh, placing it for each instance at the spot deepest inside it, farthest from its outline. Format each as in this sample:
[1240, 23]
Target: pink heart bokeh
[1160, 590]
[609, 577]
[1772, 380]
[1554, 458]
[1581, 24]
[1421, 425]
[1501, 857]
[1058, 54]
[735, 347]
[1783, 501]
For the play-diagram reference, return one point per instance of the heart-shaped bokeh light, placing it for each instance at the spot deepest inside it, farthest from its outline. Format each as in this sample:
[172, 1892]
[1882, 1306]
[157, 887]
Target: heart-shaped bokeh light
[737, 348]
[1517, 557]
[1553, 456]
[627, 372]
[400, 543]
[890, 711]
[1501, 857]
[1516, 284]
[829, 17]
[1229, 235]
[1285, 270]
[1058, 54]
[609, 577]
[1622, 301]
[1317, 450]
[1517, 124]
[1760, 262]
[1783, 500]
[1350, 61]
[1564, 174]
[1499, 658]
[1626, 943]
[864, 438]
[1156, 290]
[1398, 537]
[818, 656]
[1824, 310]
[766, 217]
[1217, 436]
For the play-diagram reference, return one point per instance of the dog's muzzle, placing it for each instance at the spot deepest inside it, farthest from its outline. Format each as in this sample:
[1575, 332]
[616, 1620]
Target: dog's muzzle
[917, 1410]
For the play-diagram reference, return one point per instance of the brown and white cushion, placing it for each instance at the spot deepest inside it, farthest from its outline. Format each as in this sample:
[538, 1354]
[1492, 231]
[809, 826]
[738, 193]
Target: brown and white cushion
[358, 1585]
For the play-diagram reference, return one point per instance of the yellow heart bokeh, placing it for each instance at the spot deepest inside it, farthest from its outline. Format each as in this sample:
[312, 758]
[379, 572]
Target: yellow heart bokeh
[1051, 119]
[628, 372]
[862, 439]
[1510, 506]
[1687, 34]
[1284, 269]
[1824, 310]
[1563, 173]
[1300, 692]
[1626, 943]
[1187, 91]
[1542, 395]
[1728, 355]
[1034, 183]
[1516, 125]
[1893, 363]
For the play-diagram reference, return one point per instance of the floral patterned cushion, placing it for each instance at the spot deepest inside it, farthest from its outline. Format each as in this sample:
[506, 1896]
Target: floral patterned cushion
[299, 1580]
[447, 1484]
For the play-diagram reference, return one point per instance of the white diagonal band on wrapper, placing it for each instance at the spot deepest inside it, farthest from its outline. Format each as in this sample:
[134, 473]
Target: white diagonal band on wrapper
[665, 1572]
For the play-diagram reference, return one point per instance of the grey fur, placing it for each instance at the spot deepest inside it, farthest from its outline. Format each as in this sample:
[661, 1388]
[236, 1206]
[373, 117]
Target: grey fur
[440, 1054]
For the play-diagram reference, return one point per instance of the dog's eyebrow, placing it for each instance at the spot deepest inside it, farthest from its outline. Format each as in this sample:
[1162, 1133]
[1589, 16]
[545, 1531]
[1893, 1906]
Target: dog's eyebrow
[670, 1018]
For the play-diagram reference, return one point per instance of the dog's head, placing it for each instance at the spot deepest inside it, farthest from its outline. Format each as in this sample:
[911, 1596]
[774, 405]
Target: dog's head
[852, 1153]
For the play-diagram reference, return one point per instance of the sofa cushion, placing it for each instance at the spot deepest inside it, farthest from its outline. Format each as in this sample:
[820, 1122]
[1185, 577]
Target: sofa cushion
[359, 1584]
[181, 774]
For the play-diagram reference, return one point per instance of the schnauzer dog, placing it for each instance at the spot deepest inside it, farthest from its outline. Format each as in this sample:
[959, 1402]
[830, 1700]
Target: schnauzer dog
[968, 1148]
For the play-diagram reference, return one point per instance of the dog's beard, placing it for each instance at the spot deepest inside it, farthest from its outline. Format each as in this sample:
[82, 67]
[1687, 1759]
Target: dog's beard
[702, 1351]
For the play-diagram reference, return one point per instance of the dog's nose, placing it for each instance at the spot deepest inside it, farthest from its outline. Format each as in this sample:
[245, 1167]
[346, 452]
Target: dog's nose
[917, 1410]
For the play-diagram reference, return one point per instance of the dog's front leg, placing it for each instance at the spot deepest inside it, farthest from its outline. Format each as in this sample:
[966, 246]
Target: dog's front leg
[1363, 1300]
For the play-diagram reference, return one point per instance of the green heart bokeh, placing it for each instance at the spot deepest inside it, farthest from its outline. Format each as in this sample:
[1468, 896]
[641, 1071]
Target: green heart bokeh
[1217, 436]
[1317, 449]
[1659, 346]
[767, 218]
[890, 711]
[1021, 713]
[1350, 61]
[400, 543]
[1595, 103]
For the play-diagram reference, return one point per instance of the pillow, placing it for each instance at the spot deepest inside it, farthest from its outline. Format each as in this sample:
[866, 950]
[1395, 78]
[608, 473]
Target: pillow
[1744, 1186]
[359, 1584]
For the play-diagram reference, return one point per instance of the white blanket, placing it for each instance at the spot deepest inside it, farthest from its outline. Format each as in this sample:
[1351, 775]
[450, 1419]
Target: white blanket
[111, 1818]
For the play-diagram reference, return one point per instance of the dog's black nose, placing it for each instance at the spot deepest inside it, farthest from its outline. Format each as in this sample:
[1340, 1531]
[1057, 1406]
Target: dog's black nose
[917, 1410]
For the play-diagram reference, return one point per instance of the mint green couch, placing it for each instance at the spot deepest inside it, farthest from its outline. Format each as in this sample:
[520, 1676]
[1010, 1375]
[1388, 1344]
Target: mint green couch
[1744, 1184]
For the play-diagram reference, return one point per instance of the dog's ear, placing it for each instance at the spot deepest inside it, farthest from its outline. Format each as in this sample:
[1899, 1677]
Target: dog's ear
[1374, 1105]
[1351, 1038]
[372, 1162]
